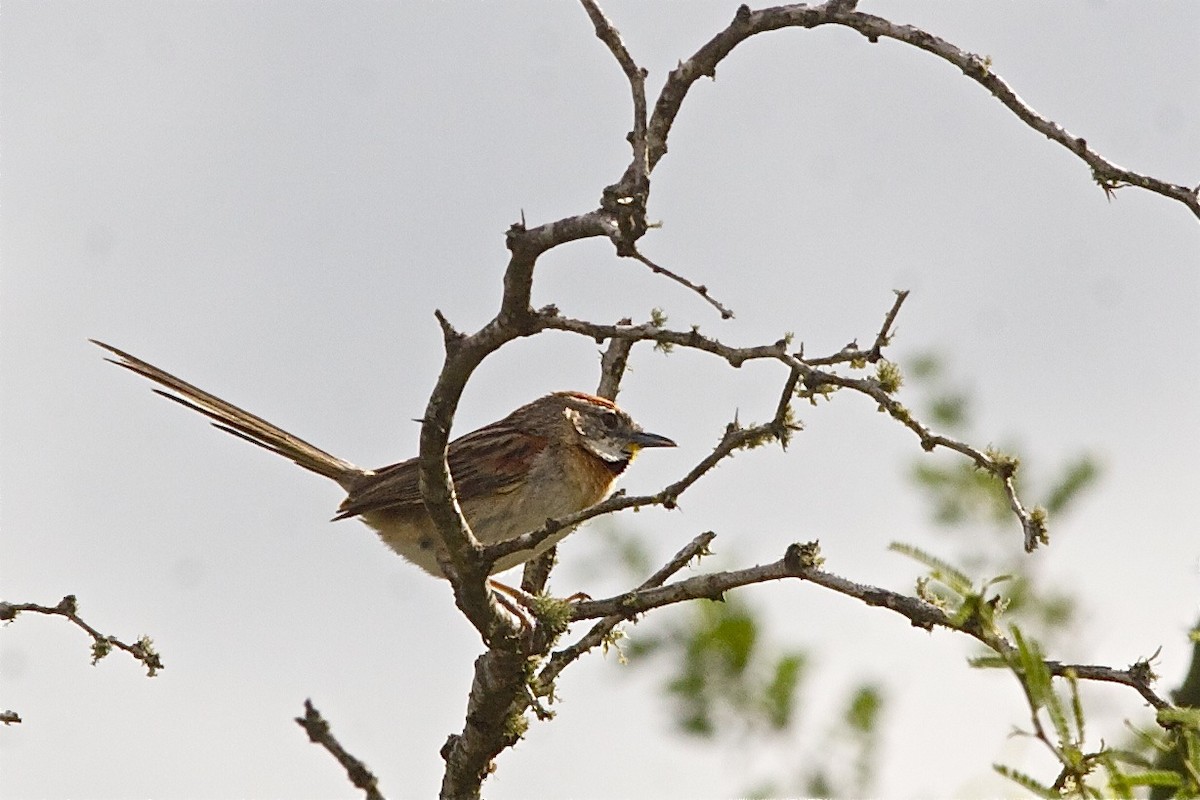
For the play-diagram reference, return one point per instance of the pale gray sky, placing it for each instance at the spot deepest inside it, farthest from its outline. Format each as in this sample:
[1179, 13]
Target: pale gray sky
[270, 199]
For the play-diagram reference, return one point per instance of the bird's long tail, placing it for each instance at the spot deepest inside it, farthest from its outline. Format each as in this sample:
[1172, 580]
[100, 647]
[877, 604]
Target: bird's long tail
[242, 424]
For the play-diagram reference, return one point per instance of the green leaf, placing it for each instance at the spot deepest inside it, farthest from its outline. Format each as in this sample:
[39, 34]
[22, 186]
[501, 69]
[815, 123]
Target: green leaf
[949, 410]
[732, 636]
[1189, 717]
[988, 662]
[1034, 672]
[820, 785]
[1127, 757]
[1026, 781]
[1118, 783]
[1058, 718]
[715, 650]
[990, 582]
[1038, 684]
[1155, 777]
[954, 579]
[863, 712]
[1078, 476]
[926, 366]
[1076, 705]
[779, 695]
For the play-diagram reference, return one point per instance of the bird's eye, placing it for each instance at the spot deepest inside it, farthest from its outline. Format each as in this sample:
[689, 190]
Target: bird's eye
[611, 420]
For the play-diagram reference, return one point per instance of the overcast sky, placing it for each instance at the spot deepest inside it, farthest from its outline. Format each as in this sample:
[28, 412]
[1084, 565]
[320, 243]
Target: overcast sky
[270, 199]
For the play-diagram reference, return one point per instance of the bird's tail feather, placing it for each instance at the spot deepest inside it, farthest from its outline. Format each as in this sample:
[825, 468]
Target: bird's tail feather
[240, 423]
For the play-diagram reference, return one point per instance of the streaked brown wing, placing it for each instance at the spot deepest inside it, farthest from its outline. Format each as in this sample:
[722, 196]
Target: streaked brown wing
[491, 460]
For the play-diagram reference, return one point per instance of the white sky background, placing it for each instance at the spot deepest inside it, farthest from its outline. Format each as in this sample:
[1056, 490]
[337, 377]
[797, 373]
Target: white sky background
[270, 199]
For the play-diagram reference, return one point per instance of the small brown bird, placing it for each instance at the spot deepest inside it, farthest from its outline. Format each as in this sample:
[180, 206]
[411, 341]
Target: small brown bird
[553, 457]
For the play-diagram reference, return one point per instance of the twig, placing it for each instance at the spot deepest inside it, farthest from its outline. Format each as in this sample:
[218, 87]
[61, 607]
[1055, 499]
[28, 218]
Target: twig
[319, 733]
[102, 644]
[884, 337]
[700, 289]
[601, 630]
[1137, 677]
[627, 198]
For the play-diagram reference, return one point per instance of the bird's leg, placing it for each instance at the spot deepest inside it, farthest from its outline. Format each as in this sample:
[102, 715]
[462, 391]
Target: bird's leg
[514, 601]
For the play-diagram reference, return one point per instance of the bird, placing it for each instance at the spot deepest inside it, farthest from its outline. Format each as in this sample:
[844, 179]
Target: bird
[549, 458]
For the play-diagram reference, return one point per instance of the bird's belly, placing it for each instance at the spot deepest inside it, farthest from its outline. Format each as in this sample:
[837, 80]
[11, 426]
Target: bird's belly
[411, 534]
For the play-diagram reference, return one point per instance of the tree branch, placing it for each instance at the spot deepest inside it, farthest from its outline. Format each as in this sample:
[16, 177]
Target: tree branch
[319, 732]
[884, 337]
[803, 562]
[102, 644]
[637, 176]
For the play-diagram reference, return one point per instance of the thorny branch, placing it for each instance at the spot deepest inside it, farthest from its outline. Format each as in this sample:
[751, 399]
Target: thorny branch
[102, 644]
[803, 562]
[884, 337]
[747, 23]
[628, 196]
[700, 289]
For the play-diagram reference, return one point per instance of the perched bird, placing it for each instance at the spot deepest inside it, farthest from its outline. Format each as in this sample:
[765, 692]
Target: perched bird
[549, 458]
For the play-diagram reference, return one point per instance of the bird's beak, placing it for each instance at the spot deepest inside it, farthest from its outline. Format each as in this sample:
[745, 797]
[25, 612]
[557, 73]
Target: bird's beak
[644, 439]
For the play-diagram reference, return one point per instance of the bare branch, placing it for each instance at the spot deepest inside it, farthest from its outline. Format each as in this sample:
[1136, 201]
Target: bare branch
[319, 733]
[802, 561]
[637, 174]
[747, 23]
[1138, 677]
[102, 644]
